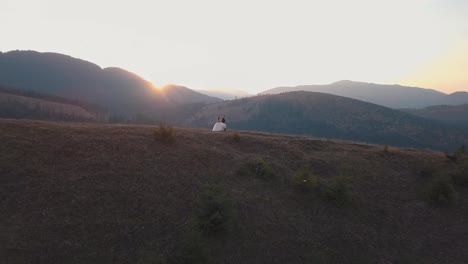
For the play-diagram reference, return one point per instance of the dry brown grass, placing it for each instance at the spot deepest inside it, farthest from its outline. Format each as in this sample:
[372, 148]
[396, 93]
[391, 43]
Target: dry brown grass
[87, 193]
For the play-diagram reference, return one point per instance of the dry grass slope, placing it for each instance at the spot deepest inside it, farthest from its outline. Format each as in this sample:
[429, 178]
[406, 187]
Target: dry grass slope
[29, 107]
[87, 193]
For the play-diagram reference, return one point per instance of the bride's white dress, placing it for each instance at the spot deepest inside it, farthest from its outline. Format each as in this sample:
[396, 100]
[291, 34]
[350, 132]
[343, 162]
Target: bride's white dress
[219, 126]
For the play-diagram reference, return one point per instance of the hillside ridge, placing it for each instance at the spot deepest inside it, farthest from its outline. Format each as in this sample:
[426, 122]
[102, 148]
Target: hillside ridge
[89, 193]
[389, 95]
[331, 116]
[118, 90]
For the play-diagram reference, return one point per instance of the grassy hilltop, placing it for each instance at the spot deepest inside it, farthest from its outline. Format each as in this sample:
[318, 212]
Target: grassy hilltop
[93, 193]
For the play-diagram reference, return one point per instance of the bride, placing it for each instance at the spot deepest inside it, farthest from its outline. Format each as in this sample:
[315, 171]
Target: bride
[220, 126]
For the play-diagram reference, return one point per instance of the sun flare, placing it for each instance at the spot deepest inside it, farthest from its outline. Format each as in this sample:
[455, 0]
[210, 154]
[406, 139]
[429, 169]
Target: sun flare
[157, 88]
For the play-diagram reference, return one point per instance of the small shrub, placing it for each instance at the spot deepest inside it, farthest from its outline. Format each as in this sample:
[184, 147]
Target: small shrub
[441, 192]
[338, 191]
[452, 158]
[258, 169]
[165, 133]
[346, 170]
[263, 170]
[236, 137]
[458, 154]
[306, 181]
[385, 149]
[214, 211]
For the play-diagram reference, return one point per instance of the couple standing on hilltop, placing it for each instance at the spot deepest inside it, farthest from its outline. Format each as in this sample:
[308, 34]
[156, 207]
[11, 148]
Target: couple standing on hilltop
[221, 124]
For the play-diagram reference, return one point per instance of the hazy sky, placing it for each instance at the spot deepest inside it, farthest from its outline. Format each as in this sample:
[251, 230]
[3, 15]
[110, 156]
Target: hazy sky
[253, 45]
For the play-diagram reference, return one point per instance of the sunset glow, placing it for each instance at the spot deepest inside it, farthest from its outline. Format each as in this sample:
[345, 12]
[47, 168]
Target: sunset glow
[158, 88]
[253, 46]
[448, 72]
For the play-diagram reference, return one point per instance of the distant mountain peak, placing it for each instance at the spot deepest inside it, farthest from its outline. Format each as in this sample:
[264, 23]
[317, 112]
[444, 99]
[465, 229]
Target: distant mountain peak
[116, 69]
[172, 86]
[390, 95]
[124, 73]
[51, 57]
[225, 94]
[459, 93]
[120, 91]
[342, 82]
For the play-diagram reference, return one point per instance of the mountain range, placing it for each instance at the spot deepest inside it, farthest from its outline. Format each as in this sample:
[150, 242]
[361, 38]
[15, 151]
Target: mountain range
[31, 105]
[449, 114]
[331, 116]
[226, 94]
[116, 89]
[59, 87]
[393, 96]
